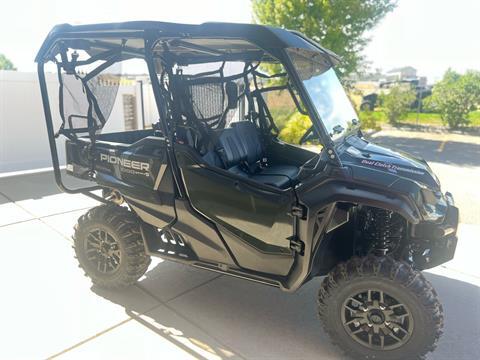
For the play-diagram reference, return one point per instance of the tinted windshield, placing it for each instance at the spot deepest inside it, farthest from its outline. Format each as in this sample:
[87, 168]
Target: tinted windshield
[325, 90]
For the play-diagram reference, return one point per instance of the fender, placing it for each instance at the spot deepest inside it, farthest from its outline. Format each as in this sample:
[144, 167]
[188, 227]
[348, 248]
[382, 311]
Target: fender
[320, 204]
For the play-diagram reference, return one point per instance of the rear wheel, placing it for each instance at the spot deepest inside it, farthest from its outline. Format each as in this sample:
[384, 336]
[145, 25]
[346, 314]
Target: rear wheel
[378, 308]
[109, 246]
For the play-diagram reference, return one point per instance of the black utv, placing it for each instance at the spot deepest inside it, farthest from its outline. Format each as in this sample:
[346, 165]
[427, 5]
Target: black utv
[255, 167]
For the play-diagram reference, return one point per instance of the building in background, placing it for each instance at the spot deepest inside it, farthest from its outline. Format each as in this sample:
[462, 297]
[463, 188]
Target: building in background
[401, 73]
[368, 87]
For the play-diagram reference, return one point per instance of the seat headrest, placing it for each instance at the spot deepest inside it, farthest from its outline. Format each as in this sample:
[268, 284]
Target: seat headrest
[231, 89]
[184, 96]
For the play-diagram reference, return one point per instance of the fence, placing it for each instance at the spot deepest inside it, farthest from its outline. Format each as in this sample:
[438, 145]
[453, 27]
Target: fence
[23, 135]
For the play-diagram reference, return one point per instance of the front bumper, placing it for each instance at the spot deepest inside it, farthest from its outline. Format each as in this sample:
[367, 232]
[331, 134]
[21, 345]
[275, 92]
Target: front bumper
[435, 244]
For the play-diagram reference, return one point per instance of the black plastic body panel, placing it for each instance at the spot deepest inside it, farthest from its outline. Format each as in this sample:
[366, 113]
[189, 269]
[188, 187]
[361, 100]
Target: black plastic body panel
[252, 258]
[279, 152]
[440, 240]
[255, 220]
[321, 194]
[139, 171]
[201, 235]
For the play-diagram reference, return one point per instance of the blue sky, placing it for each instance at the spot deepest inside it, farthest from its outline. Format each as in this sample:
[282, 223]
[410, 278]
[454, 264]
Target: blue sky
[430, 35]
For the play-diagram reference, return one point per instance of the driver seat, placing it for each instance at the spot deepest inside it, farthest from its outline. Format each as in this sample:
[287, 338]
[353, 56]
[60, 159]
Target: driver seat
[241, 151]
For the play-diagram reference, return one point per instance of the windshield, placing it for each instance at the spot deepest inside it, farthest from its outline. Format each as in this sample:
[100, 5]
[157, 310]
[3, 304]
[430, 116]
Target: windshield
[325, 90]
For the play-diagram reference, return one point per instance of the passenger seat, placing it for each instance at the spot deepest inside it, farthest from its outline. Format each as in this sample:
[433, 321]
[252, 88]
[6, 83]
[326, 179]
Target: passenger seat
[241, 152]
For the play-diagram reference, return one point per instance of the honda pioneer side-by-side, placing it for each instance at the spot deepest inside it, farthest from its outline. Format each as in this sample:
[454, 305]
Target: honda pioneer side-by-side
[255, 167]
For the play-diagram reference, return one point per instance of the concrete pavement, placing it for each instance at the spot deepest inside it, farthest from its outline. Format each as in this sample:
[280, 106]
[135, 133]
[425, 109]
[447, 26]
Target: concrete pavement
[49, 309]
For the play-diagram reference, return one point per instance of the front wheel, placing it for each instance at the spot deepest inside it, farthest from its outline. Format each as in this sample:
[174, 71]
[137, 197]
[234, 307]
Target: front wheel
[379, 308]
[109, 246]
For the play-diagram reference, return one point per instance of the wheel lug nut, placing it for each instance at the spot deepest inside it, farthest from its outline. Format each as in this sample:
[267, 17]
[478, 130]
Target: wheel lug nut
[387, 323]
[382, 307]
[395, 329]
[356, 324]
[370, 325]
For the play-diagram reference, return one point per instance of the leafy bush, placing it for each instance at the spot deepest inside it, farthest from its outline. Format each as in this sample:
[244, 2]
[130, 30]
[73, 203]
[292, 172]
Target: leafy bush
[429, 106]
[368, 120]
[455, 96]
[281, 106]
[397, 103]
[294, 128]
[6, 64]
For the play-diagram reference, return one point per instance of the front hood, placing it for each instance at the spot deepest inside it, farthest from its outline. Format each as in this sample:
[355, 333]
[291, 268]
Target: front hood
[361, 153]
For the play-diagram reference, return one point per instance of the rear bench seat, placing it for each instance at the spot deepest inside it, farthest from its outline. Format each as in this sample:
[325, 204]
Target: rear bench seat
[240, 151]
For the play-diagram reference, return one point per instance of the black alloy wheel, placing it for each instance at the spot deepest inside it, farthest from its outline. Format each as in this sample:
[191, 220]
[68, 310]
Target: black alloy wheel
[377, 320]
[103, 251]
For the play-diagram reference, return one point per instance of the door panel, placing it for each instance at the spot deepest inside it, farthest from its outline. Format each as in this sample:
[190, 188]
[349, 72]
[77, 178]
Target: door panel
[252, 215]
[249, 257]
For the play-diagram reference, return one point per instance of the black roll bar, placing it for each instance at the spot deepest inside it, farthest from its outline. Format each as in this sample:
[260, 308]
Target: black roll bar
[53, 145]
[150, 40]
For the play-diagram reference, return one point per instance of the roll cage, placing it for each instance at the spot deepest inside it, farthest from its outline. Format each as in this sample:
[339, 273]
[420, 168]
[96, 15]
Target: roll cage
[162, 46]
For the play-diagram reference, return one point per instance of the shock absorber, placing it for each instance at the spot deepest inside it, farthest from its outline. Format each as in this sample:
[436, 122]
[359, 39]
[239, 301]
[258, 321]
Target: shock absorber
[382, 230]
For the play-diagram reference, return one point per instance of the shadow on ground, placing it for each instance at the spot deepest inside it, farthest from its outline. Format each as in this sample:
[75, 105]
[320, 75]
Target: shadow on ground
[451, 152]
[256, 321]
[35, 186]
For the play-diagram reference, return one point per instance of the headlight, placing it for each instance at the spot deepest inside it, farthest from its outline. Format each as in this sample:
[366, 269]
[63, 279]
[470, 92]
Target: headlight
[434, 204]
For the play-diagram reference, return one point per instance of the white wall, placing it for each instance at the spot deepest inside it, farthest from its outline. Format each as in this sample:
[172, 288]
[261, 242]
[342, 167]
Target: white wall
[23, 135]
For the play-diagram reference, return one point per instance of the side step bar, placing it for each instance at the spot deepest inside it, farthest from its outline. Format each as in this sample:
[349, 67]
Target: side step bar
[166, 243]
[169, 245]
[237, 274]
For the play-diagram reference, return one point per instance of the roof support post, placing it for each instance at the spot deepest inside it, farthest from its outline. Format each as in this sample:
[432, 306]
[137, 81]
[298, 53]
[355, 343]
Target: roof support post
[150, 41]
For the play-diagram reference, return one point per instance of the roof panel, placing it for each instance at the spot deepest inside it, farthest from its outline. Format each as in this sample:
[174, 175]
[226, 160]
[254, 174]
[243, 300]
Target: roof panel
[236, 35]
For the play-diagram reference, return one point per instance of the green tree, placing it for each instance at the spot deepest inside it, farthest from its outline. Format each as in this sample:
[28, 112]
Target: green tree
[6, 64]
[338, 25]
[455, 96]
[397, 103]
[295, 128]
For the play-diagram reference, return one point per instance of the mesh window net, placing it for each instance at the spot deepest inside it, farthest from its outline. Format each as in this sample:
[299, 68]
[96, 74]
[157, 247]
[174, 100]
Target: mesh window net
[94, 97]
